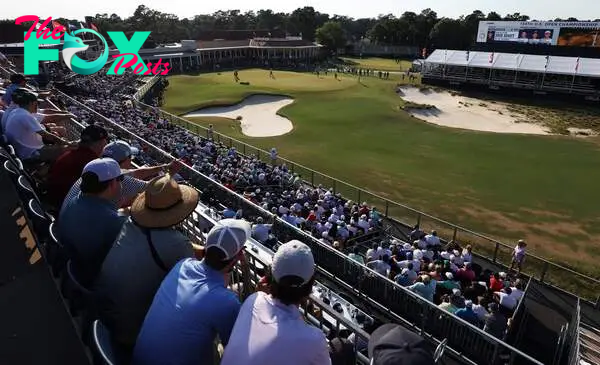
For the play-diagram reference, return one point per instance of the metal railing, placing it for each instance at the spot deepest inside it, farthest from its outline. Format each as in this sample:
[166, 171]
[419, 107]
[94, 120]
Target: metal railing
[574, 357]
[495, 251]
[464, 340]
[141, 92]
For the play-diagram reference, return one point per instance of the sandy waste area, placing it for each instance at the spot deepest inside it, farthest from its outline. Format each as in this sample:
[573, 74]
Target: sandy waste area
[467, 113]
[258, 112]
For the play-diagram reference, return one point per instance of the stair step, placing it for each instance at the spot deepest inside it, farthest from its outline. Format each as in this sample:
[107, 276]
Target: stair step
[588, 328]
[589, 354]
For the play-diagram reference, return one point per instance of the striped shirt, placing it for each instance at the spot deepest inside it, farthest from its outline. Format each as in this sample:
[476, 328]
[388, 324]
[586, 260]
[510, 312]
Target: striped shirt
[130, 187]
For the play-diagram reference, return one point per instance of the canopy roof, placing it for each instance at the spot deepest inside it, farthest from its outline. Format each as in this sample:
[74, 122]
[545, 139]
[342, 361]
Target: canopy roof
[517, 62]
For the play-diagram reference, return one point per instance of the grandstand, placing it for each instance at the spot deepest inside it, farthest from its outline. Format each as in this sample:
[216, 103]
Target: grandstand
[537, 73]
[545, 317]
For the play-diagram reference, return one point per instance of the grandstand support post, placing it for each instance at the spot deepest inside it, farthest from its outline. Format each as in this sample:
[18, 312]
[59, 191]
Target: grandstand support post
[334, 186]
[544, 270]
[496, 252]
[419, 219]
[312, 178]
[454, 235]
[359, 191]
[244, 149]
[387, 208]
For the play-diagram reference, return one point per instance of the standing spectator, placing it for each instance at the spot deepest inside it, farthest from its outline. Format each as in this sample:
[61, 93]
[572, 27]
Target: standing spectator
[416, 233]
[518, 256]
[193, 303]
[270, 328]
[148, 246]
[89, 226]
[505, 299]
[65, 171]
[496, 283]
[273, 155]
[381, 266]
[496, 322]
[392, 344]
[517, 291]
[467, 254]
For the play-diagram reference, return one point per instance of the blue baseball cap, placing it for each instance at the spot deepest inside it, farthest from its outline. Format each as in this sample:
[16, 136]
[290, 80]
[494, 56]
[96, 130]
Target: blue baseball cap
[105, 169]
[119, 151]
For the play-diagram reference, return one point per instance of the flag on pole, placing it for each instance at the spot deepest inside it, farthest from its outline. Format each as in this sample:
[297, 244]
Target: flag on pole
[577, 65]
[468, 56]
[492, 57]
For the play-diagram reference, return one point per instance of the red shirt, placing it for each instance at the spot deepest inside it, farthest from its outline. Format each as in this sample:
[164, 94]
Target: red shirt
[496, 285]
[65, 171]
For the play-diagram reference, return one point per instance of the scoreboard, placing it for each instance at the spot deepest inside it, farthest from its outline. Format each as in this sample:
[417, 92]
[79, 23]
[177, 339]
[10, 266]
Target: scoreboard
[574, 34]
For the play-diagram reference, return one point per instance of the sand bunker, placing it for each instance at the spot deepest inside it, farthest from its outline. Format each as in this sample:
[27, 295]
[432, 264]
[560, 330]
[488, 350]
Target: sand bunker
[258, 112]
[467, 113]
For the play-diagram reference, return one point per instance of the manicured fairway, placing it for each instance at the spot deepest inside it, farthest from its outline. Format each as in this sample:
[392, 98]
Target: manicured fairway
[543, 189]
[383, 64]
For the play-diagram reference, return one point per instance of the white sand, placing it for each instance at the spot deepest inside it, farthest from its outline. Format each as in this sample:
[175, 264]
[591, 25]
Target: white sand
[258, 112]
[450, 112]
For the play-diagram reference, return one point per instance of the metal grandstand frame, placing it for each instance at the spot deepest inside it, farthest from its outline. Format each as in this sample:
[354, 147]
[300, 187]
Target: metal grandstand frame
[465, 341]
[489, 248]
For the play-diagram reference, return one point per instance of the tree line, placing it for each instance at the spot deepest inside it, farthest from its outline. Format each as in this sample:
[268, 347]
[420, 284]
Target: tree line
[424, 30]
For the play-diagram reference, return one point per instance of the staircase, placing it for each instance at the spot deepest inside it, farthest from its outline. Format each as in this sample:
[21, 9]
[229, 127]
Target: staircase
[589, 345]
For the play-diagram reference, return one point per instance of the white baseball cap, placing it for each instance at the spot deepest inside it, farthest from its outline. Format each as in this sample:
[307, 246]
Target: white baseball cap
[293, 258]
[105, 169]
[229, 235]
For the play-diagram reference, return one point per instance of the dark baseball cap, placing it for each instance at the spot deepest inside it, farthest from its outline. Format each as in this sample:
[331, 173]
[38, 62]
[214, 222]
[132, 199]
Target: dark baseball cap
[93, 133]
[392, 344]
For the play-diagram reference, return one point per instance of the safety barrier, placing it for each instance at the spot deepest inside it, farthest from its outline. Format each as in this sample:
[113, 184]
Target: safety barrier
[464, 340]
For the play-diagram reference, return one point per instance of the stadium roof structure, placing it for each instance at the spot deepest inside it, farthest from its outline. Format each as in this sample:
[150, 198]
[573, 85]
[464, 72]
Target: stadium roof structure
[576, 66]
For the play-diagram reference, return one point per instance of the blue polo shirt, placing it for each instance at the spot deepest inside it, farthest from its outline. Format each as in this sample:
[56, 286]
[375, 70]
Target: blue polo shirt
[190, 308]
[7, 98]
[468, 315]
[87, 228]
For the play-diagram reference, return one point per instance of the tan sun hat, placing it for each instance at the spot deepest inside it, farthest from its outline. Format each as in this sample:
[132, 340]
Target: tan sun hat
[164, 203]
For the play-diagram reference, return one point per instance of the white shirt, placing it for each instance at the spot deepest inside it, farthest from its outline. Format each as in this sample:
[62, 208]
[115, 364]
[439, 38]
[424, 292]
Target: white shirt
[22, 131]
[268, 332]
[516, 293]
[507, 301]
[480, 311]
[379, 267]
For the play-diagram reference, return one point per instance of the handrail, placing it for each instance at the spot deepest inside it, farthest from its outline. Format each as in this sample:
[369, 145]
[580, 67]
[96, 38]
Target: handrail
[141, 92]
[391, 202]
[319, 247]
[574, 356]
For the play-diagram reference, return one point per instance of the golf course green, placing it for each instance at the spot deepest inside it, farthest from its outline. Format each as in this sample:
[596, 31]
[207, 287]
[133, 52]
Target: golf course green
[508, 186]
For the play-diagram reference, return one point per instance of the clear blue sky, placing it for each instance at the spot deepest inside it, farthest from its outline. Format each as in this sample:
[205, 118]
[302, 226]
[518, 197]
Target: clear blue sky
[537, 9]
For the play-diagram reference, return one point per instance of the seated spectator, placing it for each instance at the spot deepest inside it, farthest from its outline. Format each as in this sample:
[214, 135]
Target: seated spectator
[356, 256]
[446, 304]
[433, 241]
[381, 266]
[517, 291]
[341, 352]
[466, 273]
[375, 252]
[425, 287]
[148, 246]
[495, 323]
[270, 328]
[65, 171]
[16, 81]
[505, 298]
[89, 226]
[495, 283]
[467, 313]
[27, 135]
[193, 304]
[404, 278]
[480, 311]
[467, 254]
[449, 284]
[416, 233]
[261, 231]
[392, 344]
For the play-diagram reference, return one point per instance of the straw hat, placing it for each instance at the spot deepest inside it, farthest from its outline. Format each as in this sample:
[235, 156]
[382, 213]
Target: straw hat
[164, 203]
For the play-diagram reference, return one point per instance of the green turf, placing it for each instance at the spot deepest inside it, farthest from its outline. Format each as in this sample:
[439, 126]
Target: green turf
[541, 188]
[383, 64]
